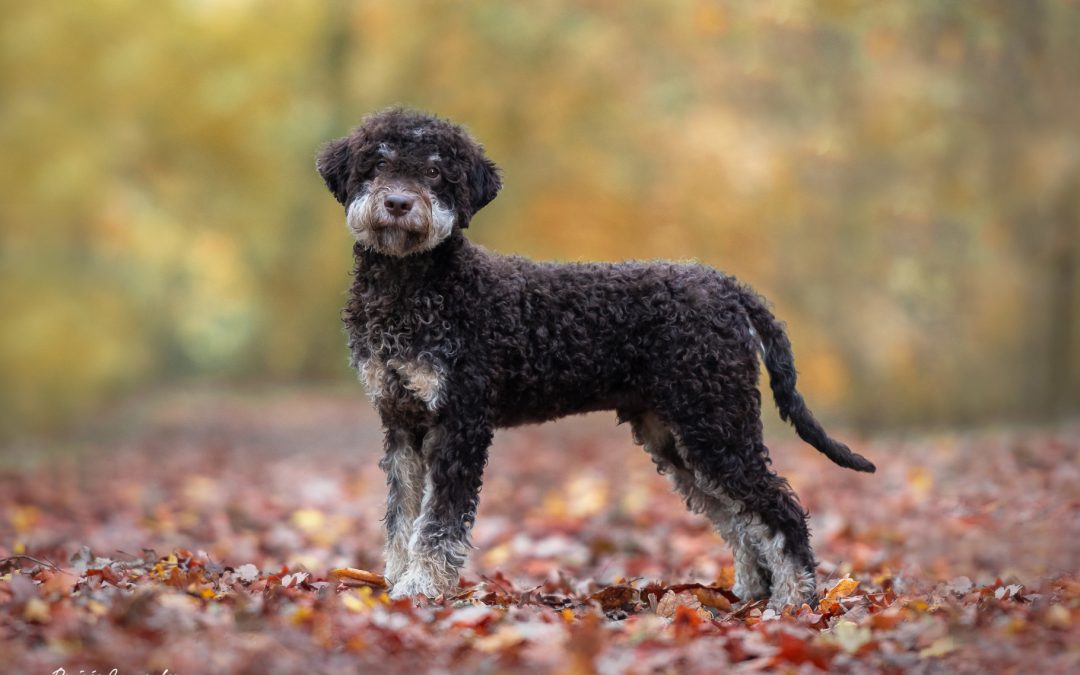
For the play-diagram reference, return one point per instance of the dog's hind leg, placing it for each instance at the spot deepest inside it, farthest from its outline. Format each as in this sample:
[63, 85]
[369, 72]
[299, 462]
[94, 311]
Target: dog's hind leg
[720, 443]
[405, 469]
[751, 576]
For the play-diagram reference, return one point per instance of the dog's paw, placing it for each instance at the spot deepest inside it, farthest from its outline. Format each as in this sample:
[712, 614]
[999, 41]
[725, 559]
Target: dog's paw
[397, 562]
[750, 593]
[750, 584]
[798, 589]
[417, 580]
[780, 602]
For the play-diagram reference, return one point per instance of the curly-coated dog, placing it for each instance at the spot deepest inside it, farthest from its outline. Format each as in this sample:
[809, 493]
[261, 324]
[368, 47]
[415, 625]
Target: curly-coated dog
[453, 341]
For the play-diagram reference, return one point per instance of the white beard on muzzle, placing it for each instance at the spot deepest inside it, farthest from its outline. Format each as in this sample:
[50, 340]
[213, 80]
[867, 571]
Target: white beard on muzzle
[375, 229]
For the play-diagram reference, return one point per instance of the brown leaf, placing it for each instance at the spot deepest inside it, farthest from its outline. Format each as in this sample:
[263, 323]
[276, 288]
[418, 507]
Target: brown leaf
[797, 649]
[688, 621]
[712, 597]
[615, 598]
[671, 600]
[361, 576]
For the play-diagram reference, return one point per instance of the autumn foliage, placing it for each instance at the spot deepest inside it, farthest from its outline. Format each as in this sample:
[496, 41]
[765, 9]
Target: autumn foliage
[899, 178]
[239, 534]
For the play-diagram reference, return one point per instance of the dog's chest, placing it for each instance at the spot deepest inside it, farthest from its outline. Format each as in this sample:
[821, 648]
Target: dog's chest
[404, 385]
[401, 352]
[405, 336]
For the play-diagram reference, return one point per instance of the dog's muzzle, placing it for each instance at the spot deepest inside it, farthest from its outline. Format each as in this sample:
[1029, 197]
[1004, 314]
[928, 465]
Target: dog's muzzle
[398, 221]
[399, 212]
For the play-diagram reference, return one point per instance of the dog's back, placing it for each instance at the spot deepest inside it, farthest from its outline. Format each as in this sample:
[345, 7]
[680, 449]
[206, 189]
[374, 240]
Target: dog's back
[579, 337]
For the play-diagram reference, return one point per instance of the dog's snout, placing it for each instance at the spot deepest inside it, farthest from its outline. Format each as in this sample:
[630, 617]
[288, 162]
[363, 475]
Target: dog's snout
[398, 204]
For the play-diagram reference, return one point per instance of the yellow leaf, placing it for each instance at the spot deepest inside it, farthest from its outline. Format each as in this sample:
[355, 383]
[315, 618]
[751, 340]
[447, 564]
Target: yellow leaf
[1058, 617]
[36, 610]
[308, 521]
[504, 637]
[842, 589]
[23, 518]
[301, 615]
[920, 482]
[939, 647]
[918, 605]
[363, 599]
[850, 637]
[498, 555]
[353, 603]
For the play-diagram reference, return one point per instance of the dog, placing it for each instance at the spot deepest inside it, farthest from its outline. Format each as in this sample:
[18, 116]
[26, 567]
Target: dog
[452, 341]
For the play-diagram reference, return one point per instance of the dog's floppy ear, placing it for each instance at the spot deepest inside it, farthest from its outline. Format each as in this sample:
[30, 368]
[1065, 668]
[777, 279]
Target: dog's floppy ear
[332, 164]
[484, 183]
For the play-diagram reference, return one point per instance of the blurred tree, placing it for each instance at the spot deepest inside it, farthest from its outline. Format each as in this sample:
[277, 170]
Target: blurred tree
[901, 179]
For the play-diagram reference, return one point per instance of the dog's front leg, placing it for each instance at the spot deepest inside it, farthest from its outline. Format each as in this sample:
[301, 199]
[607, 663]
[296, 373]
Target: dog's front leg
[456, 452]
[405, 469]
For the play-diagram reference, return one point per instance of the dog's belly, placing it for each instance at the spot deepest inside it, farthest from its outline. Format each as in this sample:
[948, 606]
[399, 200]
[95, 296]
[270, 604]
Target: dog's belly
[546, 403]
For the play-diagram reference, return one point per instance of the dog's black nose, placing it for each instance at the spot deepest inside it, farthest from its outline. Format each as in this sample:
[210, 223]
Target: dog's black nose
[398, 205]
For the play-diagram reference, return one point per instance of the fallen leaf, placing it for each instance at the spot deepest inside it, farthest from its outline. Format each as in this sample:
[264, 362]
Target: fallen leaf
[362, 576]
[841, 589]
[36, 611]
[615, 598]
[849, 636]
[672, 601]
[247, 573]
[961, 585]
[939, 647]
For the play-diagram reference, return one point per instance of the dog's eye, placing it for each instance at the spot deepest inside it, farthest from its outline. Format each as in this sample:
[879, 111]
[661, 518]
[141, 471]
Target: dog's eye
[381, 164]
[432, 172]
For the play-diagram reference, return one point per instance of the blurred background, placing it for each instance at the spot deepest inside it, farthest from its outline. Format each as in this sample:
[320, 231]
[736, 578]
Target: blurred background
[901, 179]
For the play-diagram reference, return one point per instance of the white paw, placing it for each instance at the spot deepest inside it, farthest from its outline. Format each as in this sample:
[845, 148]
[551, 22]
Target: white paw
[749, 585]
[779, 602]
[395, 568]
[397, 558]
[750, 592]
[418, 580]
[799, 588]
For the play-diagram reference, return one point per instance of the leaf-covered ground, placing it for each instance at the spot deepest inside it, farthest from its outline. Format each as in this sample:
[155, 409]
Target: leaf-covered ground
[204, 538]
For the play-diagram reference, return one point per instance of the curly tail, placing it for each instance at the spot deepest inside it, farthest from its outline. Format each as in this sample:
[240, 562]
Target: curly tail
[780, 363]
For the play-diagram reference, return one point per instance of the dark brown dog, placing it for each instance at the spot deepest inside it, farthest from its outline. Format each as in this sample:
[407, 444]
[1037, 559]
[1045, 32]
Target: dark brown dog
[453, 341]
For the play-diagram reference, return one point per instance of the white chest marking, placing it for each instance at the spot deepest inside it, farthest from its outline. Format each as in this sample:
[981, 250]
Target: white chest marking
[423, 380]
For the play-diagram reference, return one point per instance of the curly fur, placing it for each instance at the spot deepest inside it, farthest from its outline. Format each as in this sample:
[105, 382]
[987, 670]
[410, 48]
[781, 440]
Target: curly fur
[453, 341]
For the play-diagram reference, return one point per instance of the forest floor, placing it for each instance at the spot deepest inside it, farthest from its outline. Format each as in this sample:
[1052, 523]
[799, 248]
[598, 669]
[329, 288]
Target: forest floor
[201, 539]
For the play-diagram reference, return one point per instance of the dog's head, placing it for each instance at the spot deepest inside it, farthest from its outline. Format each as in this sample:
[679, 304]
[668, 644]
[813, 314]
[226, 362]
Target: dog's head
[407, 179]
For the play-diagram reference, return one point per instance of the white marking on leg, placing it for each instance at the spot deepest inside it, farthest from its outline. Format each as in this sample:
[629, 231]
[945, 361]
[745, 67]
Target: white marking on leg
[404, 467]
[751, 542]
[791, 584]
[433, 566]
[749, 583]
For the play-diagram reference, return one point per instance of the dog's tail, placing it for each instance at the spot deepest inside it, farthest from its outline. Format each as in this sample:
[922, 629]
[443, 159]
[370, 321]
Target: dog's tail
[779, 361]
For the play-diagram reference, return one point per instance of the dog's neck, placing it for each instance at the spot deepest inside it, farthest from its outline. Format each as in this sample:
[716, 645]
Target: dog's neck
[397, 296]
[402, 275]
